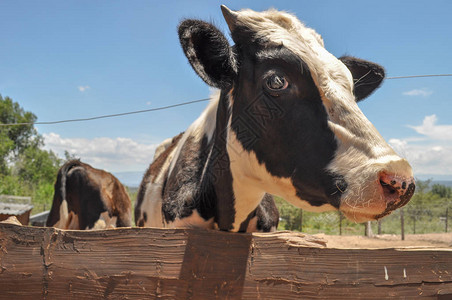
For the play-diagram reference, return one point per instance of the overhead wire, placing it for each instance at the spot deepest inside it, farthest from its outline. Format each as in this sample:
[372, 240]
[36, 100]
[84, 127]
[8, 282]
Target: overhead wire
[419, 76]
[173, 106]
[108, 116]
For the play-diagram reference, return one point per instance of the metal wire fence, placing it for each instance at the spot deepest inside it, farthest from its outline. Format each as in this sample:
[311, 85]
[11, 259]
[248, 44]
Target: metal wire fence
[412, 219]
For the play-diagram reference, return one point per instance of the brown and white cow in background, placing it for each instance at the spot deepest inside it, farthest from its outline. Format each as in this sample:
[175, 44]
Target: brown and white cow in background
[88, 198]
[285, 122]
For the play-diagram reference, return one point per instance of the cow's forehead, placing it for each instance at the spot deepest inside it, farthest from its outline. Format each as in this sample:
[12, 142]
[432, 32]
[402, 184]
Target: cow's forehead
[273, 20]
[281, 28]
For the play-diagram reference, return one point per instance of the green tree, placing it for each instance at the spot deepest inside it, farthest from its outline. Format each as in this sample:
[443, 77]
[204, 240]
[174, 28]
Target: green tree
[290, 215]
[6, 145]
[69, 156]
[423, 186]
[442, 190]
[15, 139]
[37, 166]
[26, 169]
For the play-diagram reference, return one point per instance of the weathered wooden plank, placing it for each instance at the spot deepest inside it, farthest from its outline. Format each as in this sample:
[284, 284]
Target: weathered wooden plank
[139, 263]
[340, 273]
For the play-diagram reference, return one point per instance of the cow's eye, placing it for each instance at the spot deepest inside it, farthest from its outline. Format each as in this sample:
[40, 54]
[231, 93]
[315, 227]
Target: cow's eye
[277, 82]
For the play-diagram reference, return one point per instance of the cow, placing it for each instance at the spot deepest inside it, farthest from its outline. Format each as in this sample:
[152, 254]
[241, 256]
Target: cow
[285, 121]
[264, 219]
[88, 198]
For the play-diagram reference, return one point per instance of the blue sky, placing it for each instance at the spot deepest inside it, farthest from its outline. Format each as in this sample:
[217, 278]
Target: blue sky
[74, 59]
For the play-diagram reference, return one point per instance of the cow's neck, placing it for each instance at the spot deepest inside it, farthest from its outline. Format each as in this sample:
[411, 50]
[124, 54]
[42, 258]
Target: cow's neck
[218, 172]
[204, 177]
[237, 192]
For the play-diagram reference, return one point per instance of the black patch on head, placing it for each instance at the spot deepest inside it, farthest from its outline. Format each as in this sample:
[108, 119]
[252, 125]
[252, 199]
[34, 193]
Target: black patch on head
[208, 51]
[367, 76]
[293, 137]
[245, 38]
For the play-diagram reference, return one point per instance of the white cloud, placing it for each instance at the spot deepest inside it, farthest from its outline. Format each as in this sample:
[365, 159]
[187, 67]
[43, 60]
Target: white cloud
[430, 129]
[148, 103]
[83, 88]
[112, 154]
[425, 158]
[431, 153]
[419, 92]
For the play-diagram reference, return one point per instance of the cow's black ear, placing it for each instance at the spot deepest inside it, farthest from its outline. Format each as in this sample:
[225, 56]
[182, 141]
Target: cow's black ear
[209, 53]
[367, 76]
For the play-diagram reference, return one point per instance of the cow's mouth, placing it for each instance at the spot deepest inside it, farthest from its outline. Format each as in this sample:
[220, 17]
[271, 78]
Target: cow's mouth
[391, 199]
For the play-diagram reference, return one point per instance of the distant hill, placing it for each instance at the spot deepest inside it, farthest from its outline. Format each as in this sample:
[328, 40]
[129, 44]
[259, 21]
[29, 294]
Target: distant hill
[433, 177]
[436, 179]
[443, 182]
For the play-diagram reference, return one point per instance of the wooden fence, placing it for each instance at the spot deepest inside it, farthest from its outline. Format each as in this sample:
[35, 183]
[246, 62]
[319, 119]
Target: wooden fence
[146, 263]
[20, 207]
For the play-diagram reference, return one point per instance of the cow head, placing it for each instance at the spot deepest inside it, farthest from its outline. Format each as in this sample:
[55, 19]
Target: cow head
[295, 129]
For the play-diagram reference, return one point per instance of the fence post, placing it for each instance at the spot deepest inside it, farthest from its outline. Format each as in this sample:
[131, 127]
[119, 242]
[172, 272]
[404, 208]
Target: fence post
[368, 229]
[301, 220]
[402, 224]
[447, 216]
[379, 226]
[340, 223]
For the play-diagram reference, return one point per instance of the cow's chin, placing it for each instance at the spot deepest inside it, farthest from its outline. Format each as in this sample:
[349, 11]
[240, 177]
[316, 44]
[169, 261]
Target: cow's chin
[365, 209]
[359, 217]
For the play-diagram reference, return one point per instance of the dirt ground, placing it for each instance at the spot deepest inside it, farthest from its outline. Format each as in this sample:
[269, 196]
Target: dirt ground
[431, 240]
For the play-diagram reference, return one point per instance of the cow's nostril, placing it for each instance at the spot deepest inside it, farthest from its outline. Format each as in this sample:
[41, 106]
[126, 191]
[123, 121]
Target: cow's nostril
[388, 189]
[394, 187]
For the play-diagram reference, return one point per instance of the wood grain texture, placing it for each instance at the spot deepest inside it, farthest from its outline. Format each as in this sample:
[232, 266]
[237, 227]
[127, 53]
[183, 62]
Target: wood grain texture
[146, 263]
